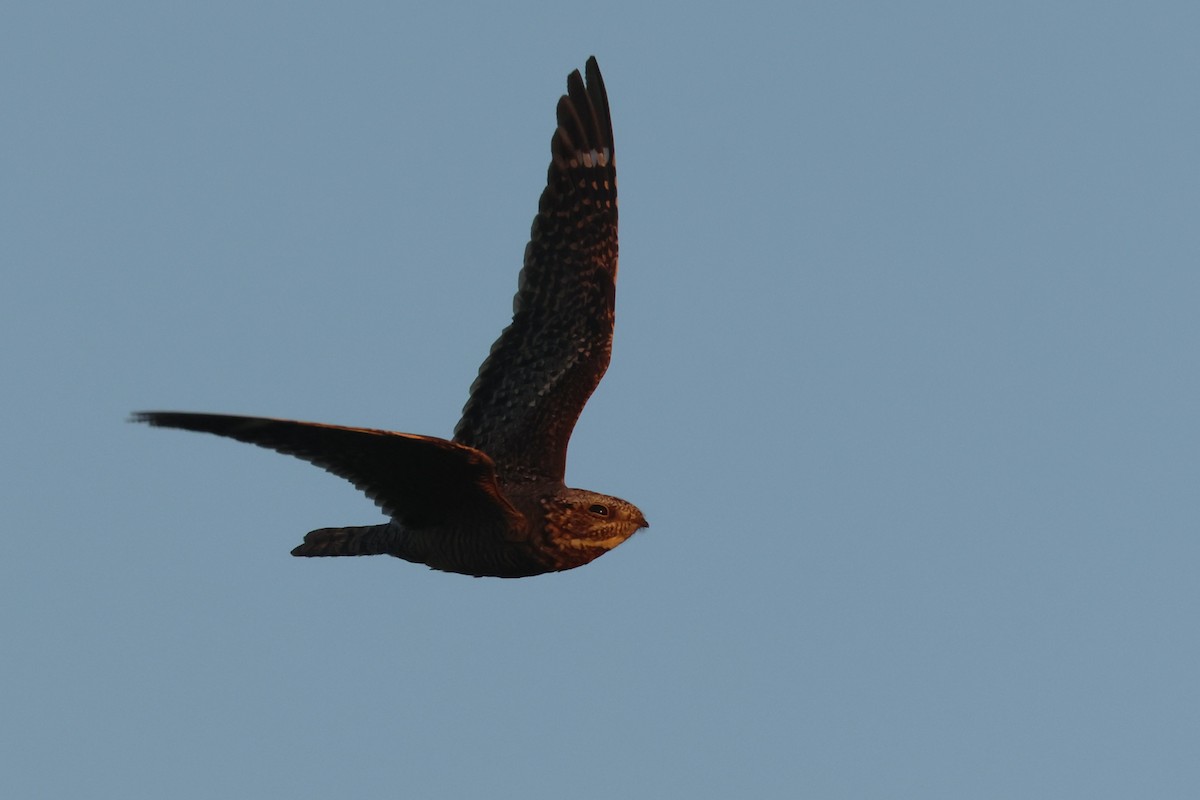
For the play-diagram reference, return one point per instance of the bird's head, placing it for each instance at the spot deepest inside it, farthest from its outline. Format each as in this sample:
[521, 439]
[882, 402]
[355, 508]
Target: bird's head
[589, 524]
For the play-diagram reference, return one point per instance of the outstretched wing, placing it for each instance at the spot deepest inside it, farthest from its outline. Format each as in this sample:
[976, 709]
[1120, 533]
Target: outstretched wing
[420, 480]
[546, 364]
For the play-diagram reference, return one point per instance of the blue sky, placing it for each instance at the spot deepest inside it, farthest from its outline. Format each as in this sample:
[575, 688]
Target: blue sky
[905, 378]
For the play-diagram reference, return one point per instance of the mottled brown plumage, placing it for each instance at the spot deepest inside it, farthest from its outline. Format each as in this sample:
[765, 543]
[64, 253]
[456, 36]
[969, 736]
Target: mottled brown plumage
[492, 501]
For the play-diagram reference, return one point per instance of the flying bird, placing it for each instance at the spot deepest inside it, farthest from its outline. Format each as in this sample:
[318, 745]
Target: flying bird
[491, 501]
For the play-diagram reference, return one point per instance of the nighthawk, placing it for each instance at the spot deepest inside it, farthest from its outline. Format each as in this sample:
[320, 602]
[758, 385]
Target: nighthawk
[492, 500]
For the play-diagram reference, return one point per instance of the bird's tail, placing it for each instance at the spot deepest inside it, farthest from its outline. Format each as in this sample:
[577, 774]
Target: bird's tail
[368, 540]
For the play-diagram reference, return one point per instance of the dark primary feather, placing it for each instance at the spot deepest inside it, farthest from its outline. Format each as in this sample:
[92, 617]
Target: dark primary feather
[420, 480]
[546, 364]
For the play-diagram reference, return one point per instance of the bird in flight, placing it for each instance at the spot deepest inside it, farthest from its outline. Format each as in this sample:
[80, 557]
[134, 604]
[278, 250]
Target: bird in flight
[492, 501]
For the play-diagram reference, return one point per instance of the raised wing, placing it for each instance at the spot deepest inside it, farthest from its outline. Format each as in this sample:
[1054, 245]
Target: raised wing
[546, 364]
[420, 480]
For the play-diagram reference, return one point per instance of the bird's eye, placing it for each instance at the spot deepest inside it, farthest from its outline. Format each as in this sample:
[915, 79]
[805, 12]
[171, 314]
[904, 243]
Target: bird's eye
[598, 510]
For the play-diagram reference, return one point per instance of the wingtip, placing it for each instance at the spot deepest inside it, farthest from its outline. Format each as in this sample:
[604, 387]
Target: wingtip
[157, 419]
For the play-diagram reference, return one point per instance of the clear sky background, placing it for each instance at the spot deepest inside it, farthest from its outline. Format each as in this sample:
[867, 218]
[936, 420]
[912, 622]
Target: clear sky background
[906, 379]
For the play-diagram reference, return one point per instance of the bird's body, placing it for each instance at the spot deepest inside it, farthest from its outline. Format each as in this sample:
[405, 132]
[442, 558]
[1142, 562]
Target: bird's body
[493, 501]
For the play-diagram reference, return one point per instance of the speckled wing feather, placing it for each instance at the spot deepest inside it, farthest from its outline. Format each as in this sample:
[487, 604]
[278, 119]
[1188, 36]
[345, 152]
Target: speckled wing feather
[546, 364]
[420, 480]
